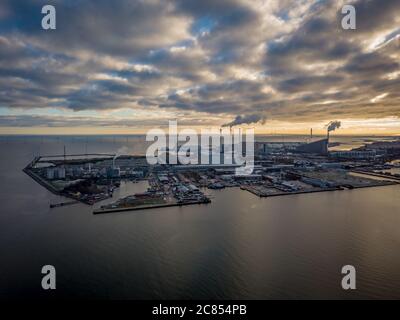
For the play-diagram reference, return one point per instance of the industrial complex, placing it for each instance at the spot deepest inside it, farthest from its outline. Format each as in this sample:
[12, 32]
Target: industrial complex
[280, 168]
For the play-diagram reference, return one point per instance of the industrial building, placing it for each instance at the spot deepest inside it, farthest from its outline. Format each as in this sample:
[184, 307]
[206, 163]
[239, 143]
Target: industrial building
[55, 173]
[353, 154]
[317, 147]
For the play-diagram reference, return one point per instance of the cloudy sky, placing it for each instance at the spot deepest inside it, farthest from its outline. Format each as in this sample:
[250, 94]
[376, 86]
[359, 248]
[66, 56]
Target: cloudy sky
[126, 66]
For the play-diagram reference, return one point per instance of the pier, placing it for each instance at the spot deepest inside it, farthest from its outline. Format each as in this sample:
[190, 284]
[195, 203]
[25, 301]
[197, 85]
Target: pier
[62, 204]
[283, 193]
[153, 206]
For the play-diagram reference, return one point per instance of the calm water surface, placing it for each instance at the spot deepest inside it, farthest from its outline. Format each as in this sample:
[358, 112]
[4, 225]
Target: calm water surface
[238, 247]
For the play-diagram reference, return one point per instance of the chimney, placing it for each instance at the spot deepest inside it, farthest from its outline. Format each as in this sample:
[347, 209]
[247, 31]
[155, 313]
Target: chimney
[222, 141]
[65, 157]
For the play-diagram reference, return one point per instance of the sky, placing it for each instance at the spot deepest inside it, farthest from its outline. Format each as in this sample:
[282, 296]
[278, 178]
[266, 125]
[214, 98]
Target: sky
[127, 66]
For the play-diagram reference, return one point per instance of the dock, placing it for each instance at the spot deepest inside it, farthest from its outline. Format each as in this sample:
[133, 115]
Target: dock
[63, 204]
[144, 207]
[338, 188]
[288, 193]
[379, 175]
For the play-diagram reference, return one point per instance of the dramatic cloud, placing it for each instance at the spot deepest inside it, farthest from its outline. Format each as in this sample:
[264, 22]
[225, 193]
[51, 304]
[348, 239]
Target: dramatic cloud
[206, 61]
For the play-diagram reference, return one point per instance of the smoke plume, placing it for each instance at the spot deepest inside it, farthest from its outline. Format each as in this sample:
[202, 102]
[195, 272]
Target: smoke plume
[333, 125]
[246, 119]
[121, 151]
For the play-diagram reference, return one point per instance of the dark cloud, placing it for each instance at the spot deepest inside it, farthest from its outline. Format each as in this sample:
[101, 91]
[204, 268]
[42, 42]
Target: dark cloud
[284, 60]
[376, 15]
[309, 83]
[371, 64]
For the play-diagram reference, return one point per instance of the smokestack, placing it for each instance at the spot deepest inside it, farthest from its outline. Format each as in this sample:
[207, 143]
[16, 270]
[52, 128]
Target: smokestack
[232, 145]
[332, 126]
[222, 141]
[65, 157]
[113, 163]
